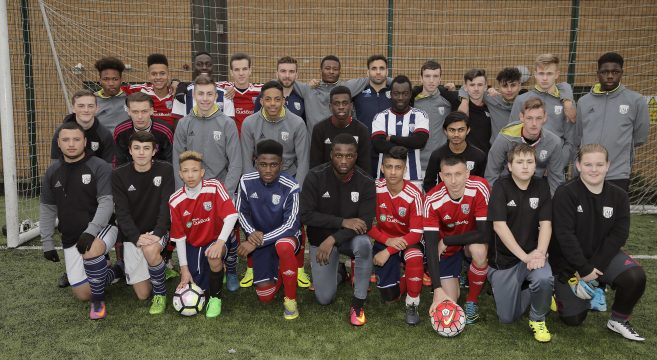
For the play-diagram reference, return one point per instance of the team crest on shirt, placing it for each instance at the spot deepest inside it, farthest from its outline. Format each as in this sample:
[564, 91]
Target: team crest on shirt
[533, 203]
[275, 199]
[542, 154]
[469, 165]
[558, 109]
[207, 205]
[388, 94]
[402, 211]
[465, 208]
[441, 110]
[607, 212]
[297, 105]
[623, 109]
[354, 196]
[157, 181]
[86, 178]
[95, 145]
[216, 135]
[169, 104]
[285, 135]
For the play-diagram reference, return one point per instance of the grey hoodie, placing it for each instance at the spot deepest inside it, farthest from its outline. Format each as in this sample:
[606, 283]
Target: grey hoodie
[437, 109]
[619, 120]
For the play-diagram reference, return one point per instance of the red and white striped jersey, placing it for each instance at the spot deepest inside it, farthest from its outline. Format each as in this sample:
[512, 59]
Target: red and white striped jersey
[162, 107]
[199, 220]
[454, 217]
[399, 215]
[244, 102]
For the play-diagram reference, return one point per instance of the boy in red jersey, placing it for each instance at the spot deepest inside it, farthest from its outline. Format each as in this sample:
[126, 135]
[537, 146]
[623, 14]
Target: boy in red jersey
[202, 220]
[397, 234]
[455, 214]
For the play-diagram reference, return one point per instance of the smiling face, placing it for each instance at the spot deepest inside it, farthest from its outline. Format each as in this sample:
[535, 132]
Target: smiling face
[272, 101]
[205, 96]
[241, 72]
[509, 90]
[286, 74]
[84, 108]
[158, 75]
[400, 94]
[330, 71]
[202, 65]
[592, 167]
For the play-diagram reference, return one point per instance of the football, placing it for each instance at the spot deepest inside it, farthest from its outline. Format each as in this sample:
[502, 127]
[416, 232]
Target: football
[189, 300]
[449, 319]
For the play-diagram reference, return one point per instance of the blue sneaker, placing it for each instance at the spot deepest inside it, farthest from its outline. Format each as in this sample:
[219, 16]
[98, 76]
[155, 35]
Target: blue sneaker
[471, 312]
[598, 300]
[232, 283]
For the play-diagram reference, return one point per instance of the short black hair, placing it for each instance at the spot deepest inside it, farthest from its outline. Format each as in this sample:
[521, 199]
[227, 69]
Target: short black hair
[451, 160]
[239, 56]
[471, 74]
[110, 62]
[508, 75]
[138, 97]
[269, 146]
[329, 57]
[396, 152]
[157, 59]
[202, 53]
[273, 84]
[430, 65]
[344, 139]
[402, 79]
[71, 125]
[142, 136]
[339, 90]
[611, 57]
[456, 116]
[374, 58]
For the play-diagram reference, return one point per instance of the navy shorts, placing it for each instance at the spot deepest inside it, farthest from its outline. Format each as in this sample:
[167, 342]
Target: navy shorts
[450, 267]
[265, 262]
[388, 275]
[198, 263]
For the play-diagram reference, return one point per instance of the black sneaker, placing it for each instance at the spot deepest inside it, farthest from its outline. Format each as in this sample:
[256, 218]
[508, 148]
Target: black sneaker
[63, 281]
[119, 272]
[412, 315]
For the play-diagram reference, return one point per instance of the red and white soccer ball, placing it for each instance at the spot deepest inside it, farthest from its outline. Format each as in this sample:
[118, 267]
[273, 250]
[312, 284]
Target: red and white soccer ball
[189, 300]
[449, 319]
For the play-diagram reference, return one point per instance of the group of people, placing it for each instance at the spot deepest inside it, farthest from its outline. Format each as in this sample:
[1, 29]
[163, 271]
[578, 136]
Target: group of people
[411, 183]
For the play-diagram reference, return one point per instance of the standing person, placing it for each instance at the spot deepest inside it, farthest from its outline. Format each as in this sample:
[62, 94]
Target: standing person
[338, 205]
[340, 122]
[77, 190]
[111, 98]
[455, 215]
[268, 206]
[397, 234]
[202, 220]
[209, 131]
[141, 192]
[246, 93]
[401, 125]
[520, 209]
[615, 117]
[591, 220]
[286, 74]
[456, 128]
[481, 124]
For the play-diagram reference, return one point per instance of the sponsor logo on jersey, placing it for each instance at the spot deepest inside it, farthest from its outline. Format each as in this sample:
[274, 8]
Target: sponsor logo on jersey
[254, 196]
[58, 184]
[447, 217]
[533, 203]
[275, 199]
[95, 145]
[469, 165]
[354, 196]
[441, 110]
[169, 104]
[327, 141]
[465, 208]
[242, 111]
[216, 135]
[285, 135]
[579, 209]
[132, 188]
[623, 109]
[461, 222]
[326, 195]
[197, 221]
[186, 213]
[558, 109]
[207, 205]
[382, 217]
[402, 211]
[189, 224]
[542, 154]
[297, 105]
[157, 181]
[511, 203]
[607, 212]
[86, 178]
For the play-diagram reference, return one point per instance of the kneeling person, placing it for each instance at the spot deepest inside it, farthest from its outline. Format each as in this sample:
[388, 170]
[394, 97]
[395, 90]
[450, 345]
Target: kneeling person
[521, 211]
[268, 206]
[202, 221]
[141, 192]
[77, 189]
[398, 233]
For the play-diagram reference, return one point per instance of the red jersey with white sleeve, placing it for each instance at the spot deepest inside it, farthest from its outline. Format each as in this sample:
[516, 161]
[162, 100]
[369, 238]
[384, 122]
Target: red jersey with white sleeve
[162, 107]
[199, 220]
[454, 217]
[244, 101]
[399, 215]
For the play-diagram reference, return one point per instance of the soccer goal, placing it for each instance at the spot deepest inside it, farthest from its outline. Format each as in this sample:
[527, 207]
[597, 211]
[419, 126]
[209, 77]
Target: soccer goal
[50, 47]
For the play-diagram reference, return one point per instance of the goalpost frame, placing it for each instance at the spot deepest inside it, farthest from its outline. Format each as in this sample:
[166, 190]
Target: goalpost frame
[7, 126]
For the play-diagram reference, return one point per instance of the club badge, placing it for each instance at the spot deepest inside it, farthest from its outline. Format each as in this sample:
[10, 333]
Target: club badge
[95, 145]
[216, 135]
[402, 211]
[157, 181]
[275, 199]
[207, 205]
[623, 109]
[607, 212]
[297, 105]
[285, 135]
[86, 178]
[465, 208]
[558, 109]
[533, 203]
[469, 165]
[354, 196]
